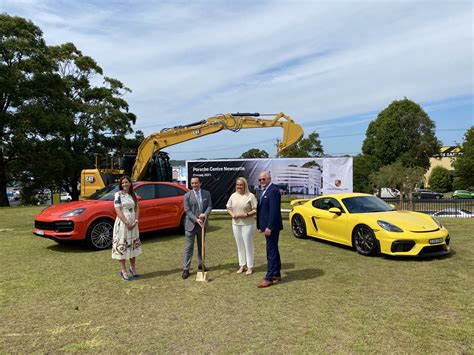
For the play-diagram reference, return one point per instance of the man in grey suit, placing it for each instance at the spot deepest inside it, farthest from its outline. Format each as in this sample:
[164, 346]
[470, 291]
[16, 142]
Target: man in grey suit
[197, 207]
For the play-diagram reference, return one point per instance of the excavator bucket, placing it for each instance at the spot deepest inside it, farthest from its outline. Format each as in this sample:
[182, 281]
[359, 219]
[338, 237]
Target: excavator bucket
[292, 134]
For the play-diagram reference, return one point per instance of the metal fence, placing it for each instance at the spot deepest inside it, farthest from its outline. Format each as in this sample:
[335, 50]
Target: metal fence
[431, 206]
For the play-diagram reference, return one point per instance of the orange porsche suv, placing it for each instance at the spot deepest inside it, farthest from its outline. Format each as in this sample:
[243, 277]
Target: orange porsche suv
[92, 220]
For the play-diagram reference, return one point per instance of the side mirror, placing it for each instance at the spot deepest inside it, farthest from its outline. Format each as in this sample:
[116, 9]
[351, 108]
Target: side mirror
[139, 198]
[393, 206]
[335, 210]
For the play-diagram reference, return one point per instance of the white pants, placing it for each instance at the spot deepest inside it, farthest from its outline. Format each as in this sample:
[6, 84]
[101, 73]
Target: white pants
[244, 238]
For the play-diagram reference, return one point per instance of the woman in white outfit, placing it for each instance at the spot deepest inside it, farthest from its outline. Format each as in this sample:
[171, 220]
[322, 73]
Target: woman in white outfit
[126, 243]
[242, 206]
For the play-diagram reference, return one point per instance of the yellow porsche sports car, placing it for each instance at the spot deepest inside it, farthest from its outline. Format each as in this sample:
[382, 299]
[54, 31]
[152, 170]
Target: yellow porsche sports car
[368, 224]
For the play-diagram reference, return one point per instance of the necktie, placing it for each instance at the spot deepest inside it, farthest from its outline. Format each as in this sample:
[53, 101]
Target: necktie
[198, 198]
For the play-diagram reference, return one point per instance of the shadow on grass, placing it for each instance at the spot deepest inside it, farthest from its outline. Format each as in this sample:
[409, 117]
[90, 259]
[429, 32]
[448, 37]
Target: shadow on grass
[327, 242]
[70, 247]
[420, 259]
[160, 273]
[301, 275]
[288, 274]
[388, 257]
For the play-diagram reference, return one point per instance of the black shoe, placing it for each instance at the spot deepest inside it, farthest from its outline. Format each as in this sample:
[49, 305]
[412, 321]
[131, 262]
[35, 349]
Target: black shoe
[185, 274]
[205, 269]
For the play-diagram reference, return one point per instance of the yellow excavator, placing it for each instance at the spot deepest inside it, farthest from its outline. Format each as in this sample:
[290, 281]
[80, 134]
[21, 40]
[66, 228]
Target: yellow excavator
[153, 164]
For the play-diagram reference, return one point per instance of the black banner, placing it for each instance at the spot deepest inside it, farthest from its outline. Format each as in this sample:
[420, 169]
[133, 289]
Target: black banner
[218, 177]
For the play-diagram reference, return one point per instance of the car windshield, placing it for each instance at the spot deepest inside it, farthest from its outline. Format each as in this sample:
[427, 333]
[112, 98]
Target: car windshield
[106, 194]
[365, 204]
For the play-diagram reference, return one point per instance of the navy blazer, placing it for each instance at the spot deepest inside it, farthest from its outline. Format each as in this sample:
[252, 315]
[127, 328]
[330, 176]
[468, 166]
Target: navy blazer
[269, 210]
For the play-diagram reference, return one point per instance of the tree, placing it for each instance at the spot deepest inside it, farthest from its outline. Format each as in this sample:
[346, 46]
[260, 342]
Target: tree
[305, 148]
[363, 165]
[23, 60]
[440, 179]
[254, 153]
[402, 132]
[77, 120]
[464, 164]
[396, 175]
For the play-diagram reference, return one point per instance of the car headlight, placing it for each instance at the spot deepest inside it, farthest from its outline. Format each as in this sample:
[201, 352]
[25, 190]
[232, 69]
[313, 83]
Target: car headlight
[73, 213]
[436, 220]
[389, 227]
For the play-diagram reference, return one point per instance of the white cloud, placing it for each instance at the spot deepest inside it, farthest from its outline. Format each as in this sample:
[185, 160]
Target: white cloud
[314, 60]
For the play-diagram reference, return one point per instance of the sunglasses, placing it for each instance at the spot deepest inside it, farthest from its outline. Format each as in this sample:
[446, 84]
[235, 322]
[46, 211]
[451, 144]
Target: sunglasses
[262, 179]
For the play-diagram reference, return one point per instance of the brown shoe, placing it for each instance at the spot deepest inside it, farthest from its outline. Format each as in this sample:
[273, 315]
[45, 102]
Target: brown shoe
[264, 283]
[276, 278]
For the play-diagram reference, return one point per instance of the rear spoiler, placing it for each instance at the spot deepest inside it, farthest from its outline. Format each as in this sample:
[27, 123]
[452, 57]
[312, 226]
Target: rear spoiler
[299, 201]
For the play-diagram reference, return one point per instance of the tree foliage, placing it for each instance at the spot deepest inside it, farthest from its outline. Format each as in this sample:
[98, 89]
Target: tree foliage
[305, 148]
[440, 179]
[81, 119]
[58, 111]
[363, 166]
[23, 65]
[254, 153]
[402, 132]
[464, 164]
[396, 175]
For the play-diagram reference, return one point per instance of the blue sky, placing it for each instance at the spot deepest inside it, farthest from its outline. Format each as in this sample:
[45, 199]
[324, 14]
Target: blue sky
[330, 65]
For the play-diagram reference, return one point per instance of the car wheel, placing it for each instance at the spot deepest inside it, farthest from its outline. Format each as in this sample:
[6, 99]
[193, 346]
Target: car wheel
[100, 233]
[364, 240]
[438, 197]
[298, 226]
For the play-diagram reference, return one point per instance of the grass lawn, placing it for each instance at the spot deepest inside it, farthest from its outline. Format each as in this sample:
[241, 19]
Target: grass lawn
[65, 298]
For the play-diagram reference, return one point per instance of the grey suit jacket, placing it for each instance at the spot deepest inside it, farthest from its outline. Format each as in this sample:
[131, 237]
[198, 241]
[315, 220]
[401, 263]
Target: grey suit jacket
[191, 208]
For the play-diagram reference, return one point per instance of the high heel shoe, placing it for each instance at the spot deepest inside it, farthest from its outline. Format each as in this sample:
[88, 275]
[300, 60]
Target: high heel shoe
[125, 276]
[249, 271]
[133, 274]
[241, 270]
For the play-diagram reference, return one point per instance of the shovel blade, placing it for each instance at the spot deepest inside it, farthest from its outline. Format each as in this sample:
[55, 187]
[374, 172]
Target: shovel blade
[201, 276]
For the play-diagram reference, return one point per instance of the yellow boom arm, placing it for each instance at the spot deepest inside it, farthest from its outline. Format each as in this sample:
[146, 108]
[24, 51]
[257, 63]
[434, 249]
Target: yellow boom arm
[292, 133]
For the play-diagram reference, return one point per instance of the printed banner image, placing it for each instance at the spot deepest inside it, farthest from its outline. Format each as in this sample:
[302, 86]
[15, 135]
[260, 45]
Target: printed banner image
[294, 176]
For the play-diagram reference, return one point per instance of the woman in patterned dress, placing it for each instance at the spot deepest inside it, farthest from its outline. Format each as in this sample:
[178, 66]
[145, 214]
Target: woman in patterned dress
[126, 243]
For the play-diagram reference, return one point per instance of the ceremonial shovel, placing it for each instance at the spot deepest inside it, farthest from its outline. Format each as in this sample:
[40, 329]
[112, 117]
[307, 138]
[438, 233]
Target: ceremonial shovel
[202, 275]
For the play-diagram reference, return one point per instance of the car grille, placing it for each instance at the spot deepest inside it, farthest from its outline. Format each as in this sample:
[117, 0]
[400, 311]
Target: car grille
[426, 231]
[57, 226]
[432, 249]
[402, 246]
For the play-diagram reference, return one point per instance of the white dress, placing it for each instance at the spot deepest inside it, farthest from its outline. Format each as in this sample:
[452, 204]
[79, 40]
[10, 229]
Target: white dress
[126, 242]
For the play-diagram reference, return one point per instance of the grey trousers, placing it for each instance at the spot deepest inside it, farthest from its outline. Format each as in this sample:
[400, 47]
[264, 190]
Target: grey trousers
[189, 246]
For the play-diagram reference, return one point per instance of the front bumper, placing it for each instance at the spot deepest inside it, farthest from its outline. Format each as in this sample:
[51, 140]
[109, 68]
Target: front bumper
[66, 229]
[414, 244]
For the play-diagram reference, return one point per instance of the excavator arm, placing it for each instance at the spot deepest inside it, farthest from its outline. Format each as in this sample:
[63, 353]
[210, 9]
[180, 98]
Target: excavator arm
[292, 133]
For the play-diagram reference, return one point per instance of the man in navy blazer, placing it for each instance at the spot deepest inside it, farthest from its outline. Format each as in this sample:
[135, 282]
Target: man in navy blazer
[269, 222]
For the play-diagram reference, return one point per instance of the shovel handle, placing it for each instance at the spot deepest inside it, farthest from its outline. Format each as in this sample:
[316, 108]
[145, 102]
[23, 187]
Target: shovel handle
[203, 246]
